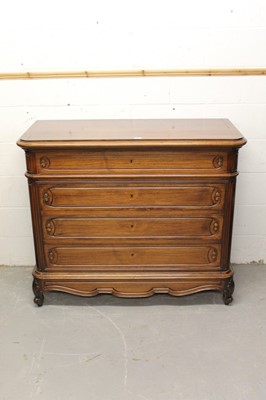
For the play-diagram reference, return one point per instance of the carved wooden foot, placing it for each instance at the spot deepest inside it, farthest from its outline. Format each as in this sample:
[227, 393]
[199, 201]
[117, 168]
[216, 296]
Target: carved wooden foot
[228, 291]
[37, 290]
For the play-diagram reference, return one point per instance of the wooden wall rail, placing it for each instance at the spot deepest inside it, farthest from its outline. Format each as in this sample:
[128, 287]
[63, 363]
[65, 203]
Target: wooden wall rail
[132, 73]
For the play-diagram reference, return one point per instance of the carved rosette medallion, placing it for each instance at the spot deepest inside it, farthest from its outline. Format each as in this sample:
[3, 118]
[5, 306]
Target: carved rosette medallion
[52, 255]
[212, 255]
[217, 162]
[214, 226]
[216, 196]
[44, 162]
[50, 227]
[47, 197]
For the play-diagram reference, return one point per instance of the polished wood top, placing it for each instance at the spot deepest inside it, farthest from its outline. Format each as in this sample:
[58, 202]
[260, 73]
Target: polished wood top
[132, 132]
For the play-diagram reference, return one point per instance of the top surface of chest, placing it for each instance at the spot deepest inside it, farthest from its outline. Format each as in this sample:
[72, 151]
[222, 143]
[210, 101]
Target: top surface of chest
[136, 133]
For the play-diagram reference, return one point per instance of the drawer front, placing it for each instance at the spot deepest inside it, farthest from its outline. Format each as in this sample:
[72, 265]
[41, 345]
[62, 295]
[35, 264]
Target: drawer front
[133, 257]
[208, 196]
[209, 228]
[131, 162]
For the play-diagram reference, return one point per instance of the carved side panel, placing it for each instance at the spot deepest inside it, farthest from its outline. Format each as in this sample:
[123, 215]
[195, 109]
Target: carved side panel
[228, 223]
[232, 160]
[30, 162]
[36, 223]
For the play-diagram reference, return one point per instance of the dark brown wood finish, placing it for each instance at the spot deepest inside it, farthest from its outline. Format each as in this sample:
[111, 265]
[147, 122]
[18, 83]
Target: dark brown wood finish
[132, 207]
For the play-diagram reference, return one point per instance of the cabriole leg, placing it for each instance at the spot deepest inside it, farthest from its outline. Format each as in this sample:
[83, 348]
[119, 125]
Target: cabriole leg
[37, 290]
[228, 292]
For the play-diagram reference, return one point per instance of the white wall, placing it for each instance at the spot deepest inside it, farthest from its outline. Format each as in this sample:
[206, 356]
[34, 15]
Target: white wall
[120, 35]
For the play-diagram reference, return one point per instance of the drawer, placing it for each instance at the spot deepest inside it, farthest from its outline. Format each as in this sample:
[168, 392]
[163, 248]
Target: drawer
[136, 257]
[206, 228]
[131, 162]
[75, 196]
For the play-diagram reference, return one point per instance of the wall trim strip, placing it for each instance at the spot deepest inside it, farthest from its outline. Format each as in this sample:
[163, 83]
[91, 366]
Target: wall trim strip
[131, 73]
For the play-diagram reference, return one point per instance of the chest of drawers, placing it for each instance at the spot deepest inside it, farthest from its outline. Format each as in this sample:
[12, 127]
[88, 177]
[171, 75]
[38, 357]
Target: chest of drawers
[132, 207]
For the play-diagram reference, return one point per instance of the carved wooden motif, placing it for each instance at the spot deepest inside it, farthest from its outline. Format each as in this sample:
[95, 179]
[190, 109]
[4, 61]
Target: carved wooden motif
[52, 255]
[228, 291]
[214, 226]
[38, 292]
[44, 162]
[218, 161]
[212, 255]
[50, 227]
[48, 197]
[216, 196]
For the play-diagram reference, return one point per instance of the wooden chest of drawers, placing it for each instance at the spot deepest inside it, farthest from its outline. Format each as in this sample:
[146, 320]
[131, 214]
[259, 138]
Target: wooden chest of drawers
[132, 207]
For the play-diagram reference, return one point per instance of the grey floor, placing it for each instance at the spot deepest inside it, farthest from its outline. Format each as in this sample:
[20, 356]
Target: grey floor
[160, 348]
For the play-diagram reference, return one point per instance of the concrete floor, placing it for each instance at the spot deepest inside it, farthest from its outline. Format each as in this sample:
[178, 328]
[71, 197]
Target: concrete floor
[159, 348]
